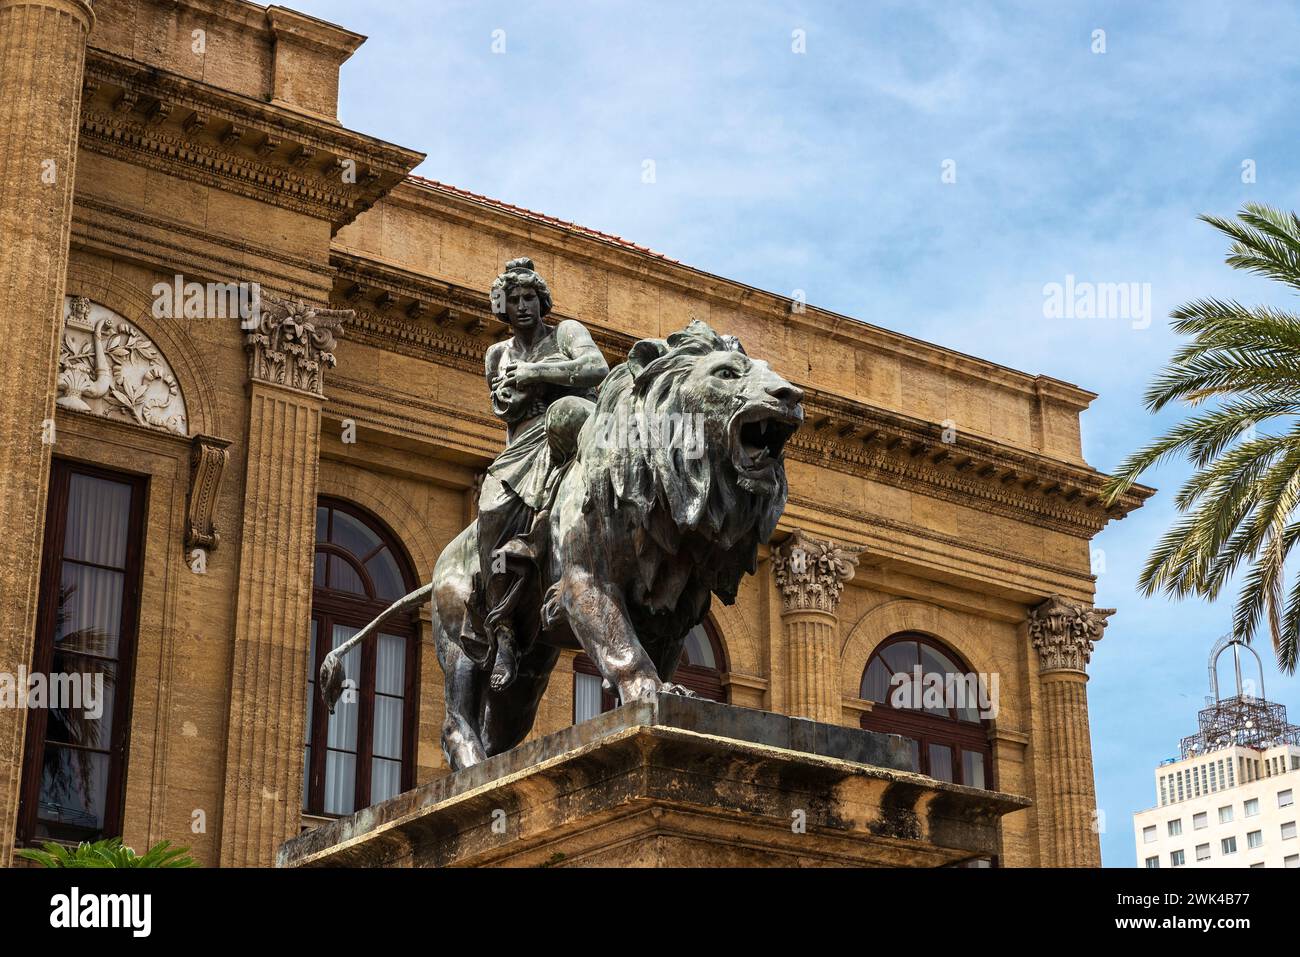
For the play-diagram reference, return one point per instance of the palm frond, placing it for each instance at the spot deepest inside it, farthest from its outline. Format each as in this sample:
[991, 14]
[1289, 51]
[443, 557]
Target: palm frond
[1238, 508]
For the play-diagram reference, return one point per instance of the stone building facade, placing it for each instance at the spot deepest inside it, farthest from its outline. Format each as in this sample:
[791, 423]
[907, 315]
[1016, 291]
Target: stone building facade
[939, 504]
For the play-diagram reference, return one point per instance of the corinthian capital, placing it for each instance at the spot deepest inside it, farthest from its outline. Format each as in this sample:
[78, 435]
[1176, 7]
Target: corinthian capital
[291, 343]
[1063, 633]
[811, 572]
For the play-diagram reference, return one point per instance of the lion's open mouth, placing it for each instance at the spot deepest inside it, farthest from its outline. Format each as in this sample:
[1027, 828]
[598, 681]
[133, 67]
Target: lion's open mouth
[758, 437]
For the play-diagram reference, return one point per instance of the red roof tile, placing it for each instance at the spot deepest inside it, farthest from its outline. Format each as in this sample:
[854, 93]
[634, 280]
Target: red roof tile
[538, 217]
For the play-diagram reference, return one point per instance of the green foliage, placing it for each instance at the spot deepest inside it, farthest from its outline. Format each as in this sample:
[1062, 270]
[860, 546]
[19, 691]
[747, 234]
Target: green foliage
[110, 852]
[1239, 506]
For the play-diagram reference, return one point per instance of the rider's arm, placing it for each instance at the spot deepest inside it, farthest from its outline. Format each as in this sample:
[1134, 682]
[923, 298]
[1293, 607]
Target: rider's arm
[586, 366]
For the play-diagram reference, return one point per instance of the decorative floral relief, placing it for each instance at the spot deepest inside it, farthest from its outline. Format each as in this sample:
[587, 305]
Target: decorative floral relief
[811, 572]
[109, 367]
[292, 342]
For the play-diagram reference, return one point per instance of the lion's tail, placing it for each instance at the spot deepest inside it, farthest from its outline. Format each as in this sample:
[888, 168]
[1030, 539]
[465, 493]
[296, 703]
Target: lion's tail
[331, 669]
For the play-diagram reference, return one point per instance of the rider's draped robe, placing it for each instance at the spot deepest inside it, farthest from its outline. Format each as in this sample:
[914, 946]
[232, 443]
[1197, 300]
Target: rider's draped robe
[527, 473]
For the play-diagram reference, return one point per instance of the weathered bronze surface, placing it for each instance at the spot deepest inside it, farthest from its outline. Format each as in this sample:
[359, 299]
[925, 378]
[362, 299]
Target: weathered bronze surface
[608, 523]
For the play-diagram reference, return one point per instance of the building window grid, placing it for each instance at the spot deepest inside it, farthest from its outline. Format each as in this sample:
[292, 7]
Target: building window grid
[357, 758]
[94, 534]
[951, 746]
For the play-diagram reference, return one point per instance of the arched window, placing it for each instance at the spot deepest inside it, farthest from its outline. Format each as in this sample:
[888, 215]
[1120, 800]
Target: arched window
[924, 692]
[364, 752]
[701, 668]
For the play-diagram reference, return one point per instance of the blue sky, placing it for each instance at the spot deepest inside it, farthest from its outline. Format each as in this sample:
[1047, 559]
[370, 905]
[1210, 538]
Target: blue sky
[821, 171]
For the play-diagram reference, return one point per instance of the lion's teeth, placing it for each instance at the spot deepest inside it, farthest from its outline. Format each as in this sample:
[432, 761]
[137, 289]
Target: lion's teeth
[762, 427]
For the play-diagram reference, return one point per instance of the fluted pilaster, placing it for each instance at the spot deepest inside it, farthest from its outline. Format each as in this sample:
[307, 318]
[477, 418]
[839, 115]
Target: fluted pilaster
[1063, 634]
[42, 58]
[288, 352]
[810, 574]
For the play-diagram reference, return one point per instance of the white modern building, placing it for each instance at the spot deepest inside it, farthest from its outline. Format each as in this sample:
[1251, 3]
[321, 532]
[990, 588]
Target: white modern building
[1229, 800]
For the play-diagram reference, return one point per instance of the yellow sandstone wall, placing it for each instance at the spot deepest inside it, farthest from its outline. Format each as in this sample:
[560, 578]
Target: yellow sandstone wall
[960, 548]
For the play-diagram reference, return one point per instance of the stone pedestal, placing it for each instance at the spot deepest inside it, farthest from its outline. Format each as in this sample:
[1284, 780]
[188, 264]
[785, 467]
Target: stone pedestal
[42, 56]
[674, 782]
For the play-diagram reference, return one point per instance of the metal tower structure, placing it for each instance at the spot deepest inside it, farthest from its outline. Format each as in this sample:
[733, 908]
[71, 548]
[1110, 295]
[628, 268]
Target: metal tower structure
[1243, 719]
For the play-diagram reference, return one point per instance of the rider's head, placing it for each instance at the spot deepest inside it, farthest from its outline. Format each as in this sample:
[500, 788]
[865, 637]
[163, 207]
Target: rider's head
[520, 293]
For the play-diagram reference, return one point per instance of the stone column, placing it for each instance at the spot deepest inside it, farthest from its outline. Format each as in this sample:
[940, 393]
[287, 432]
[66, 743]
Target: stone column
[810, 573]
[288, 352]
[42, 56]
[1063, 633]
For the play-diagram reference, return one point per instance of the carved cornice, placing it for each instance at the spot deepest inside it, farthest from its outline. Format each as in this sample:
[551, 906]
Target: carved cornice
[810, 572]
[292, 343]
[212, 136]
[1063, 633]
[416, 315]
[966, 469]
[402, 312]
[208, 458]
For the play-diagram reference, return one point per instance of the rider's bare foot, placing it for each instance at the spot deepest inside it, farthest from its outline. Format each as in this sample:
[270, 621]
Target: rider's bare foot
[505, 666]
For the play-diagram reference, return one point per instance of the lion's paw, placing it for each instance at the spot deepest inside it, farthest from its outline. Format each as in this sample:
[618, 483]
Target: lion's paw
[682, 690]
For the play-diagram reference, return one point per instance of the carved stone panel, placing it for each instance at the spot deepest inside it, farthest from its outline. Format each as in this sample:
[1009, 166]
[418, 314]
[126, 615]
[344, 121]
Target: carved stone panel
[109, 367]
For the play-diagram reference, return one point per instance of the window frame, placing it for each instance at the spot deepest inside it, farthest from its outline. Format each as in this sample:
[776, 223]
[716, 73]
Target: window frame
[927, 729]
[52, 546]
[330, 607]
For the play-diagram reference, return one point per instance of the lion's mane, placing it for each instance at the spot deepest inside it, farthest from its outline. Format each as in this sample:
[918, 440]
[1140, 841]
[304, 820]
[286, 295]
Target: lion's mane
[685, 518]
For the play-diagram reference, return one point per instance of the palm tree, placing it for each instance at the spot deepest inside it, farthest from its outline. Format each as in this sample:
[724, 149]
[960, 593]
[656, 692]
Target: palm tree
[1238, 508]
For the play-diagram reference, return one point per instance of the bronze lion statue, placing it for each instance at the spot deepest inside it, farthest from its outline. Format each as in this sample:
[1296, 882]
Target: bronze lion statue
[674, 477]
